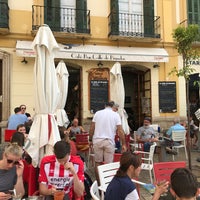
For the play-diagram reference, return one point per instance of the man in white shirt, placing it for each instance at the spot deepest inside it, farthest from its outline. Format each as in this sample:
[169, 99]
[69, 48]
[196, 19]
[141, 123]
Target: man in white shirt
[105, 124]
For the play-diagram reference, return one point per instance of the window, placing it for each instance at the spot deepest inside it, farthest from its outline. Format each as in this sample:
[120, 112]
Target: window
[193, 11]
[132, 17]
[66, 15]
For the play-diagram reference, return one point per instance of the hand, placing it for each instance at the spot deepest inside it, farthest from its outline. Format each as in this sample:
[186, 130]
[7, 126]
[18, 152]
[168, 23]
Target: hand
[124, 149]
[162, 187]
[20, 168]
[69, 166]
[4, 196]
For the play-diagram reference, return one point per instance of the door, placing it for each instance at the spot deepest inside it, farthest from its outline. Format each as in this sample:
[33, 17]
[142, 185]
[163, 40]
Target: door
[68, 14]
[130, 16]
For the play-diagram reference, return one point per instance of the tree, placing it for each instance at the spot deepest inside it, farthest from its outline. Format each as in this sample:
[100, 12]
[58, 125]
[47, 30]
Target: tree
[185, 37]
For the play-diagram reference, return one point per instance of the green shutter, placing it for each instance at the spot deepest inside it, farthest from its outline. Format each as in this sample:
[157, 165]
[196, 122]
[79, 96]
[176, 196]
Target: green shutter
[81, 16]
[148, 18]
[4, 13]
[193, 7]
[52, 14]
[114, 20]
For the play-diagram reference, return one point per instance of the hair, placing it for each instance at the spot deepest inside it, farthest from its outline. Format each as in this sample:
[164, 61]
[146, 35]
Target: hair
[20, 126]
[22, 105]
[127, 159]
[176, 120]
[147, 119]
[18, 138]
[184, 183]
[17, 109]
[110, 104]
[14, 149]
[61, 149]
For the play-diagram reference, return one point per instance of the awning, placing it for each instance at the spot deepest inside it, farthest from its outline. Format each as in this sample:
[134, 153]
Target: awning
[97, 52]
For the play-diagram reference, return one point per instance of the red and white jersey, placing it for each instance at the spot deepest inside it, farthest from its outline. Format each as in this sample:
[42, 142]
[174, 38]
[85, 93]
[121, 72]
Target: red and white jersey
[52, 173]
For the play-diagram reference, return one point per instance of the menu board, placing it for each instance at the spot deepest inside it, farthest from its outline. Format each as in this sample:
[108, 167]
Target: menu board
[98, 94]
[167, 96]
[98, 88]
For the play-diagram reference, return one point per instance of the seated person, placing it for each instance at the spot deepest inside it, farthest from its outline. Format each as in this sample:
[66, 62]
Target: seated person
[11, 171]
[194, 130]
[70, 177]
[146, 134]
[184, 185]
[122, 187]
[74, 129]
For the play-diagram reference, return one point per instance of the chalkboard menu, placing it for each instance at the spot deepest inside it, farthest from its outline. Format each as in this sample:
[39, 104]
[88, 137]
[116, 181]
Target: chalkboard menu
[98, 94]
[167, 96]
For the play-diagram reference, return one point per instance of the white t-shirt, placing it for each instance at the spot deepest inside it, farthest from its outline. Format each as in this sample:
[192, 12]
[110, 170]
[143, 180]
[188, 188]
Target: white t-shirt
[132, 195]
[106, 122]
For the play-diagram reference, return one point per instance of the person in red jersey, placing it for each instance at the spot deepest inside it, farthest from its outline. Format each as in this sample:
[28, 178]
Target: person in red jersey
[61, 171]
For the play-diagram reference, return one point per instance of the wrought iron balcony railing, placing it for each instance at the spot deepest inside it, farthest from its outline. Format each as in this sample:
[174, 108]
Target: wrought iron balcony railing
[133, 25]
[61, 19]
[4, 15]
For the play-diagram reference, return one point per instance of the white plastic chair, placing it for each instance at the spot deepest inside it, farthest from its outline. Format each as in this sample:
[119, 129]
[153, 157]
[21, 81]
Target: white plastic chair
[155, 127]
[148, 161]
[94, 191]
[106, 173]
[179, 136]
[136, 146]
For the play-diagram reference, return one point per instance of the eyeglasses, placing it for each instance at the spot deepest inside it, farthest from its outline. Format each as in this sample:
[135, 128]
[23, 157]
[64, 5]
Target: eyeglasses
[23, 108]
[12, 162]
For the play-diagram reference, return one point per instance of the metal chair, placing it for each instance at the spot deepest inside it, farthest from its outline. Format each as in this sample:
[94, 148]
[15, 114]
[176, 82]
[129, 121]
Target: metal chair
[179, 136]
[163, 170]
[148, 161]
[94, 191]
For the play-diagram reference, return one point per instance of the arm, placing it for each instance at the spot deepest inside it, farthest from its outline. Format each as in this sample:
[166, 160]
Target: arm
[44, 190]
[19, 186]
[91, 131]
[78, 184]
[122, 137]
[160, 190]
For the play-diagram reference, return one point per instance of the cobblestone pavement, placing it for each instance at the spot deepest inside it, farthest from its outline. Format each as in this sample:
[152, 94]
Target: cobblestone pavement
[144, 175]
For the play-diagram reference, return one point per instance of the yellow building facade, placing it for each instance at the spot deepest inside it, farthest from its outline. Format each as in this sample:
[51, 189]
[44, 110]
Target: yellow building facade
[93, 35]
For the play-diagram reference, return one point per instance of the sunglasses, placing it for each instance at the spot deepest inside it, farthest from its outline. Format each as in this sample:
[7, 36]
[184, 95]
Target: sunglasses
[13, 162]
[23, 108]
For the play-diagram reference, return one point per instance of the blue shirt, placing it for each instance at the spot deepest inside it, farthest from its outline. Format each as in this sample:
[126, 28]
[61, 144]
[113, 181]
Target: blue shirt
[119, 188]
[16, 119]
[176, 127]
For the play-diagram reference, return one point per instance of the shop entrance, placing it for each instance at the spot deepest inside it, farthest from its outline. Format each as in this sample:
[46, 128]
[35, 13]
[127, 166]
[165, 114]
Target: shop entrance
[137, 83]
[73, 103]
[194, 95]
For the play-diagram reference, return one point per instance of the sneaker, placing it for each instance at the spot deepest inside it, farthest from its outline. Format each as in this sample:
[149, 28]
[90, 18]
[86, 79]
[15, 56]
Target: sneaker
[171, 151]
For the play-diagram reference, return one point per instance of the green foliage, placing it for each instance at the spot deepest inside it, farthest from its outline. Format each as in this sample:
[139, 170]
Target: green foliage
[184, 38]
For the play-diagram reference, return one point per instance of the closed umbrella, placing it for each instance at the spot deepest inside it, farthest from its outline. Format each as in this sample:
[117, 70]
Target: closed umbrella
[62, 78]
[44, 130]
[117, 93]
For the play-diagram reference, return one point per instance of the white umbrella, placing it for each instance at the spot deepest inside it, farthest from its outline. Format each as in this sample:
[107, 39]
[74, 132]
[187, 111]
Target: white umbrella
[44, 130]
[117, 93]
[62, 78]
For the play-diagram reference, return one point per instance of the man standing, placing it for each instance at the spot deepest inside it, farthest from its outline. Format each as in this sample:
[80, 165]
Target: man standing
[105, 124]
[61, 172]
[146, 134]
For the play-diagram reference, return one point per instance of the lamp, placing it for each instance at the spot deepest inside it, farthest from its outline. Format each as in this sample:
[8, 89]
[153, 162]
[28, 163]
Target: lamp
[156, 65]
[99, 64]
[24, 61]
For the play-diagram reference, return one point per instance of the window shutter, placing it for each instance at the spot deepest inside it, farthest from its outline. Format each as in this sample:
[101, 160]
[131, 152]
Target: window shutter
[81, 16]
[4, 14]
[114, 8]
[193, 11]
[148, 18]
[52, 14]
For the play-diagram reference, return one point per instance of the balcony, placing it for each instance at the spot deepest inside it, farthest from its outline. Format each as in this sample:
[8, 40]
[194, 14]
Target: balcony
[4, 18]
[126, 26]
[64, 22]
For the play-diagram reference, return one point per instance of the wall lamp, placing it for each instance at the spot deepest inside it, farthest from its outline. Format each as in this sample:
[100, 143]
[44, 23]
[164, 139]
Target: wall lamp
[24, 61]
[156, 65]
[100, 64]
